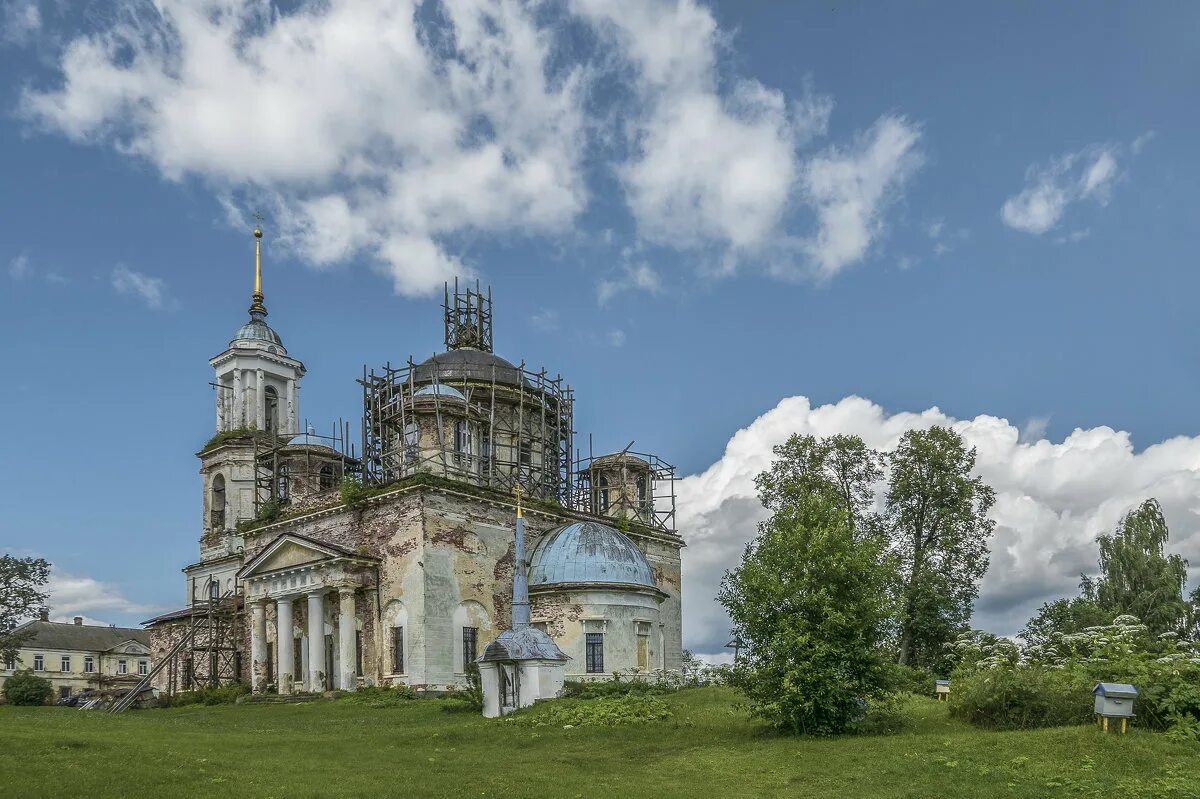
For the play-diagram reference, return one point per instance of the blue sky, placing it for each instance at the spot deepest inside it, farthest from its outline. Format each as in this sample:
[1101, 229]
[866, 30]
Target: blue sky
[693, 211]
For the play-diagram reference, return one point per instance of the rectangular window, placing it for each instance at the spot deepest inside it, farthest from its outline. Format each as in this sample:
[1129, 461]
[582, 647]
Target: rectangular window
[397, 650]
[188, 674]
[470, 642]
[64, 663]
[64, 692]
[143, 667]
[122, 667]
[10, 663]
[39, 663]
[270, 661]
[358, 653]
[298, 659]
[89, 665]
[595, 653]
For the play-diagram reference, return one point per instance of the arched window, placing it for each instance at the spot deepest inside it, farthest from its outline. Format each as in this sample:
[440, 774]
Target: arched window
[271, 399]
[643, 492]
[281, 483]
[216, 503]
[462, 437]
[412, 440]
[326, 478]
[602, 494]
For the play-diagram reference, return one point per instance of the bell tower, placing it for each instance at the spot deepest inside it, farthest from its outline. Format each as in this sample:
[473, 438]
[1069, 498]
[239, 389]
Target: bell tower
[257, 395]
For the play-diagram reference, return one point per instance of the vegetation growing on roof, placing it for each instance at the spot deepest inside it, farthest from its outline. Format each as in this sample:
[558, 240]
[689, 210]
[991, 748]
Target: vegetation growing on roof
[224, 437]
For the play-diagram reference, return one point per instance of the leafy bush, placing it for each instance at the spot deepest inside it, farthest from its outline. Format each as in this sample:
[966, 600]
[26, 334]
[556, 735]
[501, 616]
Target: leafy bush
[1021, 698]
[573, 689]
[223, 695]
[1002, 685]
[26, 688]
[381, 696]
[912, 680]
[885, 715]
[610, 711]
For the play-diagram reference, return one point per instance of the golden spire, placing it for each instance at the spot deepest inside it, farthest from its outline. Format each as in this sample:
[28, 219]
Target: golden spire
[517, 492]
[257, 308]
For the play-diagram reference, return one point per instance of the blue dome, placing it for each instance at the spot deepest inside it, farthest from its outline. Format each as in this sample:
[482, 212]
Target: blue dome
[588, 552]
[256, 330]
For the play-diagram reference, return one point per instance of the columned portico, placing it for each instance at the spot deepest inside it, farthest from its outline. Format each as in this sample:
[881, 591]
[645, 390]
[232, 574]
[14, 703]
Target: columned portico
[316, 642]
[293, 568]
[283, 643]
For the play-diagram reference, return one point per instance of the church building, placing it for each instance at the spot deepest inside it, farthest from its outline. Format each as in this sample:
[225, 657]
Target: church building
[330, 565]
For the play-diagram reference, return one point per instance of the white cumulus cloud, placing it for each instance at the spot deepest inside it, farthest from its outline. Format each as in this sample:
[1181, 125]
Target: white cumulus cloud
[1053, 499]
[392, 131]
[73, 595]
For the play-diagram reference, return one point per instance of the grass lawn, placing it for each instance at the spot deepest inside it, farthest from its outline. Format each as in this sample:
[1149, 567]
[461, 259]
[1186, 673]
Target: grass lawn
[709, 749]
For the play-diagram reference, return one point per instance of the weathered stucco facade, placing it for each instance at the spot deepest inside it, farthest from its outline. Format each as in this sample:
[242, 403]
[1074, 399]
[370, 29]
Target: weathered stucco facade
[404, 574]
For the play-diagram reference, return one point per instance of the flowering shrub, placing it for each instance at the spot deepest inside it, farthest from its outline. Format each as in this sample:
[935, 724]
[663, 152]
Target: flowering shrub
[1000, 684]
[602, 712]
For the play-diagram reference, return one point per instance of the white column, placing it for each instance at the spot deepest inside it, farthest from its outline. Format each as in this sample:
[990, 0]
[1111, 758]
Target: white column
[316, 642]
[258, 645]
[238, 401]
[292, 407]
[283, 643]
[260, 400]
[347, 678]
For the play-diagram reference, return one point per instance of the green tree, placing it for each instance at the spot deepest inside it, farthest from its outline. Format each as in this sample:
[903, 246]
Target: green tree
[936, 515]
[840, 467]
[21, 583]
[1064, 617]
[809, 601]
[1137, 577]
[26, 688]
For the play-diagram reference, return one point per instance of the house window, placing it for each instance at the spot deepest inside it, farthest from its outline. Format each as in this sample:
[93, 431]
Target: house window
[271, 398]
[39, 663]
[64, 663]
[643, 492]
[143, 667]
[270, 661]
[326, 480]
[122, 667]
[595, 653]
[89, 665]
[485, 453]
[470, 644]
[602, 495]
[358, 653]
[397, 650]
[217, 503]
[10, 663]
[298, 659]
[189, 671]
[64, 692]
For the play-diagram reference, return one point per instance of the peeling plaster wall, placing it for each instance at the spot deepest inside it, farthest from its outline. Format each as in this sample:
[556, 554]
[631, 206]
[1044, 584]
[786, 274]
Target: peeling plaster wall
[568, 615]
[448, 557]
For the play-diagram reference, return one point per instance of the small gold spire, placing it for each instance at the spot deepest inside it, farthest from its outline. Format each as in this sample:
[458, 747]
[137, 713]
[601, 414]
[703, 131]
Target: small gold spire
[517, 492]
[256, 305]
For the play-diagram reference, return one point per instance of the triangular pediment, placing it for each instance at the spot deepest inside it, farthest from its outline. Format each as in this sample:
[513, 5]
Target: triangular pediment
[287, 552]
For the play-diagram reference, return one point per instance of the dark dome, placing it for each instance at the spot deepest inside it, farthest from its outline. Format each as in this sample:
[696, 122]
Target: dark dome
[467, 364]
[256, 330]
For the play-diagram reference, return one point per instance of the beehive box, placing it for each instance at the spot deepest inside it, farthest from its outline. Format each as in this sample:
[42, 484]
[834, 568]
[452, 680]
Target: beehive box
[1114, 700]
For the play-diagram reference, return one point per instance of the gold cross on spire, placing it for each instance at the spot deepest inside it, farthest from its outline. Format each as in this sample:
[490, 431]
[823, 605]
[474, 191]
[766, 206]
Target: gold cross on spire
[517, 494]
[256, 305]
